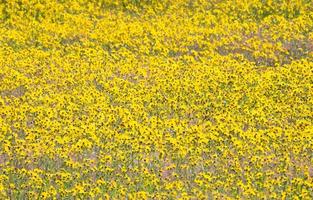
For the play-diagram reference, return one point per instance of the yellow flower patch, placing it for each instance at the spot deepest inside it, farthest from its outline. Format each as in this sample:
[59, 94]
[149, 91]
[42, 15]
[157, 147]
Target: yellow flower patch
[156, 99]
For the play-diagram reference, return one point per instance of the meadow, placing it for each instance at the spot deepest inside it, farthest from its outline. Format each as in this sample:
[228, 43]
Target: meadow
[156, 99]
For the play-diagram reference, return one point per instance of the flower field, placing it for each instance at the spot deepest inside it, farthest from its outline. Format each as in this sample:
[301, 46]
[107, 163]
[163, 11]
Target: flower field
[156, 99]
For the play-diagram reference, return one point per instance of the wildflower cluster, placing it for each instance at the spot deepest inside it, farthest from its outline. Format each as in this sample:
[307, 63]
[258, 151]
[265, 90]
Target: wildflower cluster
[115, 99]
